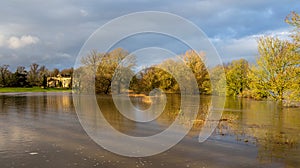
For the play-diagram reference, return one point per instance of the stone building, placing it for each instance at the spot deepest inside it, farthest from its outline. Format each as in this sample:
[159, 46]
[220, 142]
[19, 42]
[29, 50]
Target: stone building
[59, 82]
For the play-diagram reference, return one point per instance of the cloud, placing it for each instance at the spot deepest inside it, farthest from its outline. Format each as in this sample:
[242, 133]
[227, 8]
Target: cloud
[283, 34]
[245, 47]
[2, 40]
[83, 12]
[65, 25]
[16, 42]
[64, 55]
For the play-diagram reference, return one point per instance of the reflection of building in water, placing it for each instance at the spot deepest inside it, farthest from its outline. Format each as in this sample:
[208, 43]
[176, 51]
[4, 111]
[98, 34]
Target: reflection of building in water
[59, 81]
[66, 101]
[60, 102]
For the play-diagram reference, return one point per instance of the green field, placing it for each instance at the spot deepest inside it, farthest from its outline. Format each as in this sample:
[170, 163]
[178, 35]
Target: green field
[33, 89]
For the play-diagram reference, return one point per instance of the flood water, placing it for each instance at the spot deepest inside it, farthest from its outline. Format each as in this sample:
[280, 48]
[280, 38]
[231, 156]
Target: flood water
[43, 130]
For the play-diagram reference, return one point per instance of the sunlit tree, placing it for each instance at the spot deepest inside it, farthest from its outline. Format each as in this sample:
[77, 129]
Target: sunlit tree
[218, 76]
[107, 69]
[237, 77]
[196, 62]
[276, 70]
[293, 19]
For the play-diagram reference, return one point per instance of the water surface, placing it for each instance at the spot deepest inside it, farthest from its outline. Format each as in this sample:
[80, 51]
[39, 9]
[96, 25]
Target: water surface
[42, 130]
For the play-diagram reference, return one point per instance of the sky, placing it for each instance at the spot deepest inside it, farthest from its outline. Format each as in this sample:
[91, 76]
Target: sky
[52, 32]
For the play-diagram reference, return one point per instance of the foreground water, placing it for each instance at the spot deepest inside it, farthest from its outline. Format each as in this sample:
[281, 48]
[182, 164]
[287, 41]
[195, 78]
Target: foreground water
[42, 130]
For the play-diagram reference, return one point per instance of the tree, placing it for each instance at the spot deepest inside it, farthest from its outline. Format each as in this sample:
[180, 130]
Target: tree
[108, 68]
[175, 75]
[4, 75]
[42, 76]
[218, 76]
[237, 77]
[196, 62]
[135, 84]
[166, 80]
[54, 72]
[33, 76]
[172, 75]
[20, 77]
[103, 66]
[85, 75]
[276, 69]
[21, 70]
[293, 19]
[150, 78]
[144, 81]
[92, 60]
[67, 72]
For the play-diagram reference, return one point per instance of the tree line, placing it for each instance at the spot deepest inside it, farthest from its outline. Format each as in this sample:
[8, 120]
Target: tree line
[275, 75]
[35, 76]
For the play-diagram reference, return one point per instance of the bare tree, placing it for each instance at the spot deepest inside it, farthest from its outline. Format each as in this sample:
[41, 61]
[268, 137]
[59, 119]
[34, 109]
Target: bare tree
[33, 75]
[4, 75]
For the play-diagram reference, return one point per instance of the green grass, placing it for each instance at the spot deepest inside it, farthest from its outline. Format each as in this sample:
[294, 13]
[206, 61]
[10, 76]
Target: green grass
[33, 89]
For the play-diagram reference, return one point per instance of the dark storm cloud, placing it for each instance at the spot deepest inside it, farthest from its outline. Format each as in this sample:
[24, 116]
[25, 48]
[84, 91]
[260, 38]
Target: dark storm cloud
[52, 32]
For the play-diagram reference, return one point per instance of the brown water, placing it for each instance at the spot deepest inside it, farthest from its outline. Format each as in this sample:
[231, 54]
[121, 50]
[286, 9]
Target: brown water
[42, 130]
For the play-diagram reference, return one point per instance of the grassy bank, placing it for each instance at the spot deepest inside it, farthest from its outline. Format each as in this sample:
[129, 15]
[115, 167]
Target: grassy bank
[33, 89]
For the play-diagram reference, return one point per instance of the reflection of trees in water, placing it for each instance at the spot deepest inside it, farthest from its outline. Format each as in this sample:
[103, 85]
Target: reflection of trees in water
[280, 139]
[274, 145]
[112, 115]
[275, 131]
[171, 111]
[230, 118]
[13, 104]
[36, 104]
